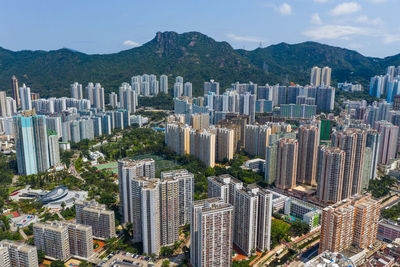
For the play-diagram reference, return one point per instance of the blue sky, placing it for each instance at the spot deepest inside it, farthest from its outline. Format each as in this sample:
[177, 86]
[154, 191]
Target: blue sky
[104, 26]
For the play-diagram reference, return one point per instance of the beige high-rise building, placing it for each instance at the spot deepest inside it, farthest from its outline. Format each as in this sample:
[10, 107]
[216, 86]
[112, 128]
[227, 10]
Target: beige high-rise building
[257, 139]
[202, 146]
[177, 137]
[330, 171]
[352, 142]
[150, 219]
[307, 158]
[200, 121]
[98, 217]
[52, 238]
[3, 104]
[211, 232]
[351, 222]
[286, 168]
[15, 90]
[80, 240]
[4, 257]
[169, 210]
[326, 76]
[315, 76]
[128, 170]
[225, 144]
[186, 189]
[16, 254]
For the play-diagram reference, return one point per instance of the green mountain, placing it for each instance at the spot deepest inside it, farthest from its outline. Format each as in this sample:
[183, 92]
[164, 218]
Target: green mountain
[192, 55]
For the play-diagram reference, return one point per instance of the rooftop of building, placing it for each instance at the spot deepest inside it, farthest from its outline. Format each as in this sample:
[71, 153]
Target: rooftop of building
[330, 259]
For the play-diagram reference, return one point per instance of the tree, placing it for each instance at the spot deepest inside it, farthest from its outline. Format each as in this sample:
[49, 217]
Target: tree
[57, 263]
[165, 263]
[40, 255]
[84, 264]
[166, 251]
[279, 231]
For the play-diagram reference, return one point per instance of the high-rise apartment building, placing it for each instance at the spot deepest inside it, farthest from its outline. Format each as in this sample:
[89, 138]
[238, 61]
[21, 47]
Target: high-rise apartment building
[80, 239]
[98, 217]
[178, 89]
[16, 254]
[270, 164]
[202, 146]
[3, 104]
[226, 146]
[150, 217]
[177, 137]
[127, 97]
[158, 207]
[15, 90]
[388, 141]
[164, 84]
[315, 76]
[31, 144]
[351, 222]
[224, 187]
[326, 76]
[257, 139]
[25, 96]
[128, 170]
[54, 149]
[185, 191]
[187, 89]
[352, 142]
[76, 90]
[330, 170]
[52, 239]
[307, 157]
[212, 87]
[211, 231]
[286, 169]
[113, 100]
[200, 121]
[4, 257]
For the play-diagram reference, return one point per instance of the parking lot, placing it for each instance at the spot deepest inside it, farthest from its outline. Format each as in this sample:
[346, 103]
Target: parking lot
[126, 259]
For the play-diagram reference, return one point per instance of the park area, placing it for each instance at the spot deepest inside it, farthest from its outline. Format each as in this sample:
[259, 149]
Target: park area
[161, 163]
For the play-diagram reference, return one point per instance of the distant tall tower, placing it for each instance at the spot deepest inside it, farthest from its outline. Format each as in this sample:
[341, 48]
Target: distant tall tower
[164, 84]
[286, 163]
[26, 100]
[307, 158]
[15, 90]
[315, 76]
[326, 76]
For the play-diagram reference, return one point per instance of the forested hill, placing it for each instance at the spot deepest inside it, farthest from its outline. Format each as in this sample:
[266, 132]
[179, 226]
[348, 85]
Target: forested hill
[192, 55]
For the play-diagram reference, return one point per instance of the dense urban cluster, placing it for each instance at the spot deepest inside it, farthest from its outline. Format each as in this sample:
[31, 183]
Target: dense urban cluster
[247, 175]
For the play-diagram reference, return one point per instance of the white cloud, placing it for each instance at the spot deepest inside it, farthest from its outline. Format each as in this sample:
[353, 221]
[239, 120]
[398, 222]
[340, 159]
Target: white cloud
[391, 38]
[377, 1]
[285, 9]
[335, 32]
[248, 39]
[130, 43]
[365, 19]
[346, 8]
[315, 19]
[321, 1]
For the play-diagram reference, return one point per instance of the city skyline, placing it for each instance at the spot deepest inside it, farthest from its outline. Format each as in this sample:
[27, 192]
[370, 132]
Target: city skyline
[348, 24]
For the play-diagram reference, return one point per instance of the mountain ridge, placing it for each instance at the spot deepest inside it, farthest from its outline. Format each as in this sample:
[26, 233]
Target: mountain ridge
[193, 55]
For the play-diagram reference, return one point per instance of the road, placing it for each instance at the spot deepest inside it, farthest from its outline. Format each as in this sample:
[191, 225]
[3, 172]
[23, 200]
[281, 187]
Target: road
[312, 251]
